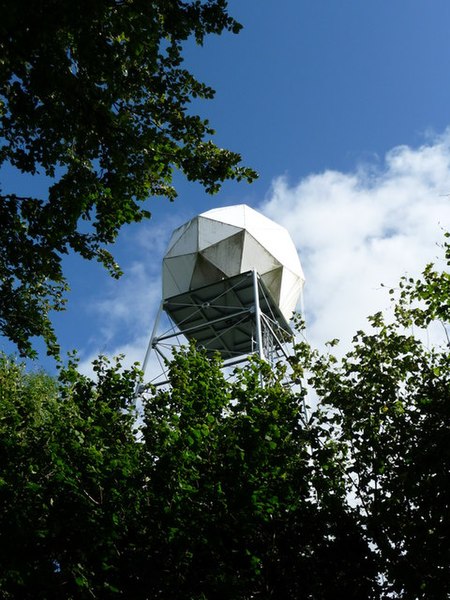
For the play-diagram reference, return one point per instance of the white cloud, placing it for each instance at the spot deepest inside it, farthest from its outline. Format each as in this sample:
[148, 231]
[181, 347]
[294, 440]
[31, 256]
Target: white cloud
[127, 300]
[353, 232]
[357, 230]
[123, 315]
[133, 351]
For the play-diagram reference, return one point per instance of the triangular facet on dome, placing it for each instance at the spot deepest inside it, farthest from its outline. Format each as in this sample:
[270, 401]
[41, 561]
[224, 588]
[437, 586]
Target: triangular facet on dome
[187, 242]
[177, 274]
[211, 232]
[226, 255]
[291, 287]
[255, 256]
[204, 273]
[176, 234]
[229, 215]
[272, 280]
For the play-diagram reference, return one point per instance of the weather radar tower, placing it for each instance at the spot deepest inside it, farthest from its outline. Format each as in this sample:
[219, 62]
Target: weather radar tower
[231, 280]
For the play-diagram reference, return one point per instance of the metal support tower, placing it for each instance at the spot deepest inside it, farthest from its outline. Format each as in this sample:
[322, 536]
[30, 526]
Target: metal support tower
[235, 316]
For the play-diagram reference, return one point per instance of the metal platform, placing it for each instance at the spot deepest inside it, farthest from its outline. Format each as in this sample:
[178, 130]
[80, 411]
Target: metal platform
[235, 316]
[221, 316]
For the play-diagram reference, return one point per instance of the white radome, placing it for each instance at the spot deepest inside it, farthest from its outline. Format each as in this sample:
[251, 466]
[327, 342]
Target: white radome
[225, 242]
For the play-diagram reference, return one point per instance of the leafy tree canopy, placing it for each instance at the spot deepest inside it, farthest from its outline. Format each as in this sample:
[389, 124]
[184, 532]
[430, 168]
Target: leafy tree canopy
[224, 489]
[221, 491]
[388, 405]
[93, 94]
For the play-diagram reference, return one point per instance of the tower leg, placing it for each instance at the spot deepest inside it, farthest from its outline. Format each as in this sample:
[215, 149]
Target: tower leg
[259, 339]
[152, 338]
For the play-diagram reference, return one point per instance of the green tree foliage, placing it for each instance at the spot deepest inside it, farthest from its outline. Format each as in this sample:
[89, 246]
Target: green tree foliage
[69, 470]
[218, 491]
[250, 505]
[388, 402]
[224, 489]
[94, 95]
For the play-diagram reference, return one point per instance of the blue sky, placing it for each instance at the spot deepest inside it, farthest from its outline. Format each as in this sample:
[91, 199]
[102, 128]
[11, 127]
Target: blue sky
[343, 109]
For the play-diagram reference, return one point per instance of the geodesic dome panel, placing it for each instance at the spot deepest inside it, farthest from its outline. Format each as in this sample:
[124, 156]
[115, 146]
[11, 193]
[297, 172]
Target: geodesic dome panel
[225, 242]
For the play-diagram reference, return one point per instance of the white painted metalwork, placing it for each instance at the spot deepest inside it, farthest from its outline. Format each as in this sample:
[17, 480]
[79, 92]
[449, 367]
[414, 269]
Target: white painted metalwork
[225, 242]
[231, 280]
